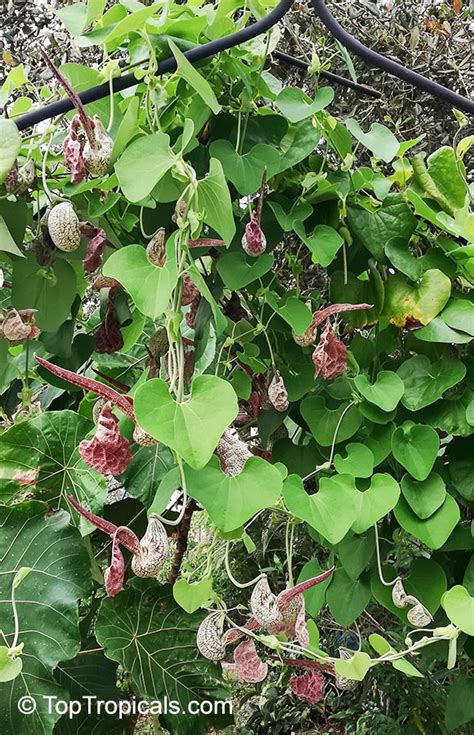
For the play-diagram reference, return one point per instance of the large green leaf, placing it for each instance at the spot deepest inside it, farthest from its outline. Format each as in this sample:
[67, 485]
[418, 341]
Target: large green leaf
[459, 607]
[200, 85]
[49, 290]
[41, 455]
[324, 421]
[426, 381]
[295, 105]
[142, 165]
[47, 605]
[375, 229]
[358, 462]
[433, 531]
[231, 501]
[347, 598]
[380, 140]
[10, 144]
[152, 637]
[245, 171]
[416, 447]
[214, 199]
[191, 428]
[331, 511]
[425, 497]
[146, 470]
[355, 552]
[150, 287]
[378, 500]
[385, 392]
[237, 272]
[416, 305]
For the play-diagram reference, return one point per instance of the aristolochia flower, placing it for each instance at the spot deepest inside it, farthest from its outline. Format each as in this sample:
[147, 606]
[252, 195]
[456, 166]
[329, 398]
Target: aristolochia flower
[308, 686]
[108, 452]
[330, 356]
[247, 666]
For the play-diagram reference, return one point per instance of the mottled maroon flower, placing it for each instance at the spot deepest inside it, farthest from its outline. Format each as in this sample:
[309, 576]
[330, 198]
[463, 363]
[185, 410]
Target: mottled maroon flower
[108, 338]
[192, 313]
[330, 356]
[114, 575]
[307, 338]
[277, 393]
[108, 452]
[233, 453]
[247, 666]
[189, 291]
[284, 613]
[95, 249]
[308, 686]
[73, 147]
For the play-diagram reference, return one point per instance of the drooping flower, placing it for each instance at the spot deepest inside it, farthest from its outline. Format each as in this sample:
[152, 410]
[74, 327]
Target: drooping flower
[247, 666]
[308, 337]
[209, 637]
[189, 291]
[233, 453]
[114, 575]
[308, 686]
[254, 241]
[108, 452]
[149, 554]
[17, 326]
[95, 249]
[156, 249]
[284, 613]
[330, 356]
[418, 615]
[277, 393]
[108, 338]
[73, 146]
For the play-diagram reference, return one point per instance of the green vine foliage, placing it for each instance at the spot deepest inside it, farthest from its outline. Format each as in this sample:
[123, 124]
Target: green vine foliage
[215, 321]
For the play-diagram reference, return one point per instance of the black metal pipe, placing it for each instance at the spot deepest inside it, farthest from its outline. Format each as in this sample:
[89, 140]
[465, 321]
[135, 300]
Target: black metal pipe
[168, 65]
[392, 67]
[335, 78]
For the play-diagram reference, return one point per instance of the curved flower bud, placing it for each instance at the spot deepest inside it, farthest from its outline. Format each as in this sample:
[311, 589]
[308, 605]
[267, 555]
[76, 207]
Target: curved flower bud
[152, 551]
[308, 686]
[254, 241]
[125, 535]
[209, 637]
[108, 452]
[98, 150]
[277, 393]
[263, 604]
[95, 248]
[114, 575]
[418, 615]
[330, 356]
[399, 596]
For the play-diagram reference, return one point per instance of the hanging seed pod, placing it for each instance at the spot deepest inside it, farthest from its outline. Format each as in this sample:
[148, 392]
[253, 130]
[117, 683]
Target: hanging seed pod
[233, 453]
[418, 615]
[330, 356]
[399, 596]
[114, 575]
[97, 153]
[108, 452]
[156, 249]
[209, 637]
[142, 438]
[159, 344]
[64, 228]
[277, 393]
[153, 550]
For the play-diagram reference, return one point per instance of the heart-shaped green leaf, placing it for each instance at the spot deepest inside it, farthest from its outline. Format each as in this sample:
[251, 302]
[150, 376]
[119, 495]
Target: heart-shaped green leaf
[355, 668]
[385, 392]
[10, 667]
[215, 202]
[355, 552]
[331, 511]
[358, 462]
[425, 497]
[143, 164]
[245, 172]
[416, 304]
[190, 596]
[295, 105]
[416, 447]
[150, 287]
[191, 428]
[323, 421]
[237, 271]
[425, 381]
[433, 531]
[231, 501]
[347, 598]
[380, 139]
[459, 607]
[376, 502]
[324, 243]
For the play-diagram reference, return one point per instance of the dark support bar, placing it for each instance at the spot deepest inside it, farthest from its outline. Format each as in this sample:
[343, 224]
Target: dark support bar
[335, 78]
[392, 67]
